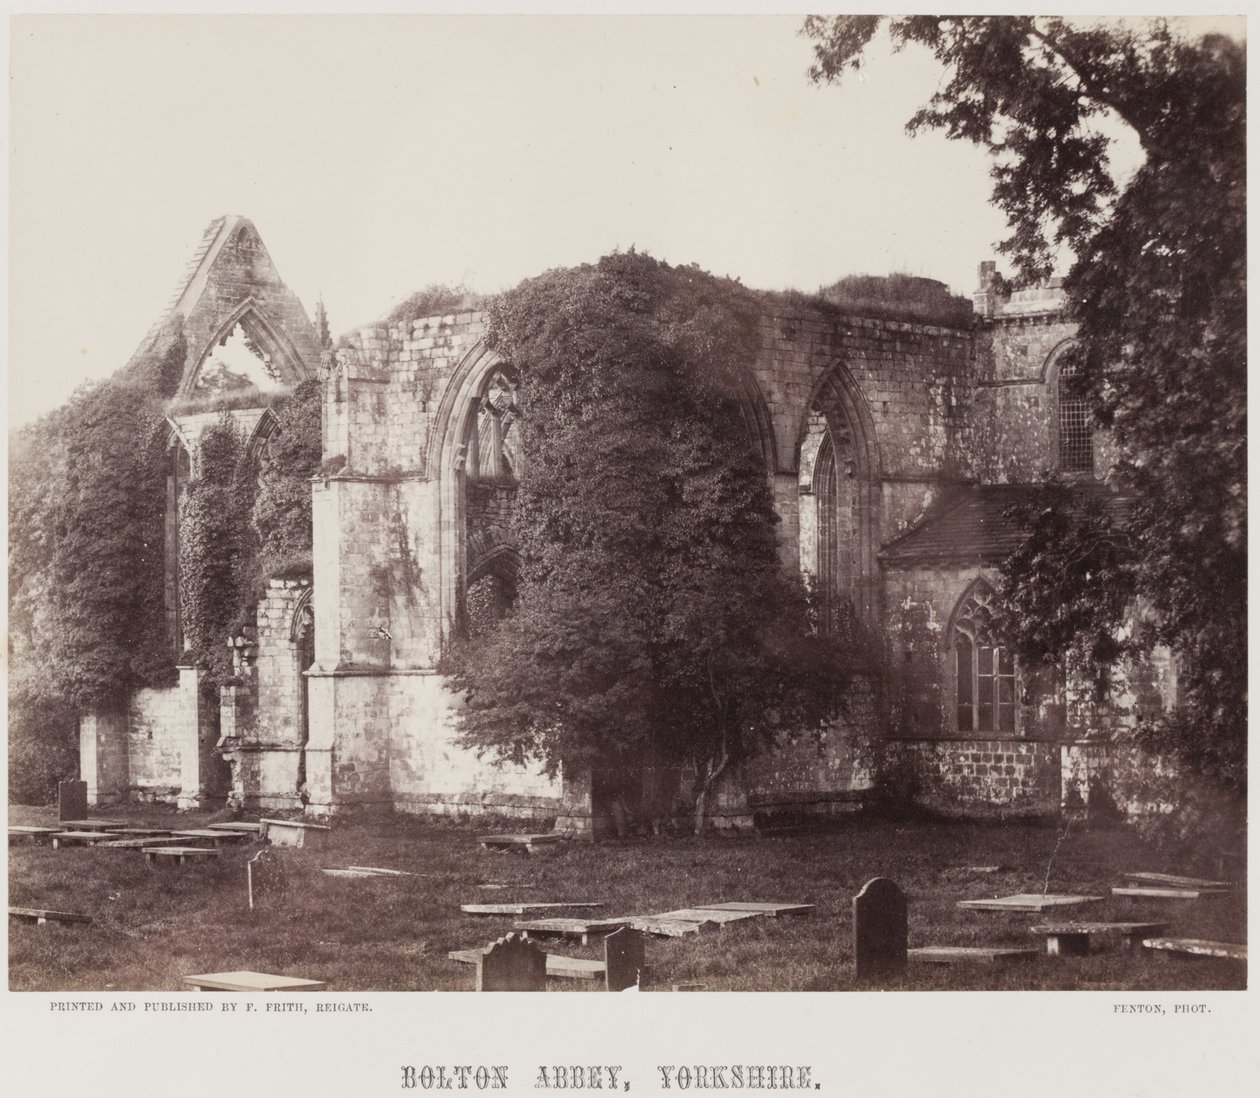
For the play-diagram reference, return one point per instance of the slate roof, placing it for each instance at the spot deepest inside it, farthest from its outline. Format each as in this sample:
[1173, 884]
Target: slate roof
[973, 527]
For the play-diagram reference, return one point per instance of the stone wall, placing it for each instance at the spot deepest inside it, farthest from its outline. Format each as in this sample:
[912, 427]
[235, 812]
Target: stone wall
[385, 741]
[977, 778]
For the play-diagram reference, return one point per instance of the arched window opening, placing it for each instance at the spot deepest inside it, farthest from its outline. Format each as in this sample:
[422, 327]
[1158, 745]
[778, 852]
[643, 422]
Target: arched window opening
[493, 441]
[1076, 432]
[836, 496]
[237, 364]
[985, 665]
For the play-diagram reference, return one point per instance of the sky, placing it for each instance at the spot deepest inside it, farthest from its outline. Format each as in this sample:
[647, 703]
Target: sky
[379, 155]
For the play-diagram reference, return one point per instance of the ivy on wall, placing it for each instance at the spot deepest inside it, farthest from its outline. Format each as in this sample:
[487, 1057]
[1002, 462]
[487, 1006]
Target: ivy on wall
[86, 562]
[282, 508]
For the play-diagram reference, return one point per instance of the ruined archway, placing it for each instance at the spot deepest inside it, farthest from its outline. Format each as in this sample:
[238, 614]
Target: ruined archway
[839, 499]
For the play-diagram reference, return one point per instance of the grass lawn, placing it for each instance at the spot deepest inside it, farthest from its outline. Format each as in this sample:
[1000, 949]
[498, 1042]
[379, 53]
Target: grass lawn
[155, 924]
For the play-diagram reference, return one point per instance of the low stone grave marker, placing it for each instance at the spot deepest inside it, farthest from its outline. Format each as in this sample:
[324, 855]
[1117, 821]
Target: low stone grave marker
[624, 959]
[1197, 947]
[251, 981]
[21, 833]
[582, 929]
[1075, 939]
[41, 917]
[294, 833]
[529, 843]
[179, 854]
[204, 834]
[879, 930]
[770, 910]
[662, 927]
[985, 955]
[513, 963]
[1139, 892]
[521, 908]
[72, 801]
[95, 825]
[139, 844]
[265, 876]
[710, 915]
[1029, 901]
[1171, 880]
[79, 838]
[243, 826]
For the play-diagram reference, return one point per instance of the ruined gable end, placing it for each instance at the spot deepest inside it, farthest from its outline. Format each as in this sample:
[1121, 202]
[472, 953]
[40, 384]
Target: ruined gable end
[231, 291]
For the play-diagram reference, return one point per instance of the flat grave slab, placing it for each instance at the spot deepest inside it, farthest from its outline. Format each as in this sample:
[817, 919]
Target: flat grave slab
[79, 838]
[95, 825]
[962, 955]
[138, 843]
[140, 832]
[1074, 939]
[1152, 893]
[179, 854]
[722, 917]
[24, 833]
[1198, 947]
[520, 909]
[293, 833]
[1029, 901]
[1171, 880]
[663, 927]
[251, 981]
[771, 910]
[215, 837]
[243, 826]
[36, 915]
[558, 967]
[379, 872]
[582, 929]
[527, 842]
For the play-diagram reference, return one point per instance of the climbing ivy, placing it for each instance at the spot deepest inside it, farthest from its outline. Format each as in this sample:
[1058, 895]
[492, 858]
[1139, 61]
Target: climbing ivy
[217, 550]
[282, 509]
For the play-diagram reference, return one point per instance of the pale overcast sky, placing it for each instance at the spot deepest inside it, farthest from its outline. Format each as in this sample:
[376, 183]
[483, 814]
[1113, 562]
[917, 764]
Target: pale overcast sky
[379, 155]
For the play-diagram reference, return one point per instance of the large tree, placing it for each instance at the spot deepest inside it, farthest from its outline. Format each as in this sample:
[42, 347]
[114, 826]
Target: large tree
[654, 628]
[1157, 286]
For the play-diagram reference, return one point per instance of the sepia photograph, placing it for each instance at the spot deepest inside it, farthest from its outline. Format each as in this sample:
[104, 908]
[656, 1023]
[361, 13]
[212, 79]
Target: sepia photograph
[598, 502]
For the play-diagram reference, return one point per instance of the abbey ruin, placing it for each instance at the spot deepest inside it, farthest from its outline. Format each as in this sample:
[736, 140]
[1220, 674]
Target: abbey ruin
[893, 450]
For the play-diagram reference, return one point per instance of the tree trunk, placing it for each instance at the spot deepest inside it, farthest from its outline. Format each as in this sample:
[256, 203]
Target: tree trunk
[710, 780]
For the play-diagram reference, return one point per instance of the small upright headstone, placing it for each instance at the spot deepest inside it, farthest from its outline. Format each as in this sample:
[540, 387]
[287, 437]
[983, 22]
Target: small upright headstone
[623, 959]
[513, 963]
[879, 930]
[72, 801]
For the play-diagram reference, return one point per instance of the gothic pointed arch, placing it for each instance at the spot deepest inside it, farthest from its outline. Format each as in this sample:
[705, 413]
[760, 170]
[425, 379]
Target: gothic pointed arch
[839, 481]
[282, 359]
[984, 670]
[477, 401]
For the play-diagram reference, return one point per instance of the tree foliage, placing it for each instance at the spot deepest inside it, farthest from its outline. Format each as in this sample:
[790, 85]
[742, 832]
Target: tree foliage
[654, 627]
[1158, 290]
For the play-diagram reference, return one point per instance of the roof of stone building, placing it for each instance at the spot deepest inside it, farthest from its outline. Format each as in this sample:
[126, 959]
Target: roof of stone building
[974, 525]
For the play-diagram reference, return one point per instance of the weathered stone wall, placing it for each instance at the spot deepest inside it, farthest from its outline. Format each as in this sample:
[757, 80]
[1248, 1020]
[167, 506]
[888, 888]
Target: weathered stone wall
[977, 778]
[914, 379]
[823, 773]
[386, 742]
[103, 761]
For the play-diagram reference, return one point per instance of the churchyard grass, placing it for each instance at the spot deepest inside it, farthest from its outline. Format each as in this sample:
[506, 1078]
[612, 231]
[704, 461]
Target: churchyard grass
[154, 924]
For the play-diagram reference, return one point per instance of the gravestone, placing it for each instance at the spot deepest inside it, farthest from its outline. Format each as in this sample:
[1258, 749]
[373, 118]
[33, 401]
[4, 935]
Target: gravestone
[513, 963]
[72, 801]
[623, 959]
[879, 930]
